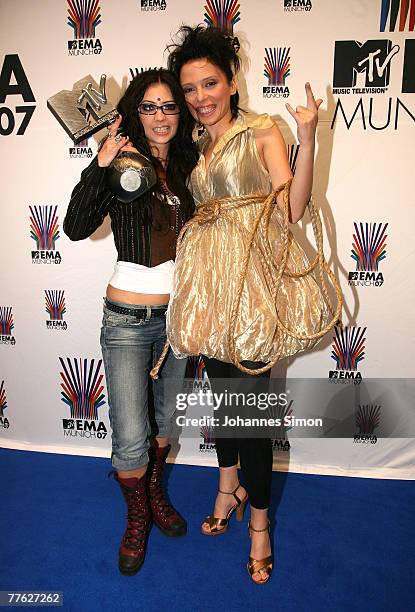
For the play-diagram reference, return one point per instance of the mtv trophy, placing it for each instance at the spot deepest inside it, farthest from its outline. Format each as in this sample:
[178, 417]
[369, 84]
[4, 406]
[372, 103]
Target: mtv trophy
[85, 110]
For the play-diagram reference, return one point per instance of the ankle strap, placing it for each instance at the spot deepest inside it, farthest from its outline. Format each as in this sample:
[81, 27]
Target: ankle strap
[232, 493]
[250, 528]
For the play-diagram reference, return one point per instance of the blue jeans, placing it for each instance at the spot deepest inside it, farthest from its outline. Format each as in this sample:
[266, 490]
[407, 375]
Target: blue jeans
[130, 348]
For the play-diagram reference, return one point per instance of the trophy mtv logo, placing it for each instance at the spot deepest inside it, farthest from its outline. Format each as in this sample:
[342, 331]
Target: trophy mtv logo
[4, 421]
[55, 307]
[348, 350]
[368, 250]
[82, 391]
[44, 230]
[6, 325]
[276, 70]
[367, 418]
[83, 110]
[83, 18]
[297, 5]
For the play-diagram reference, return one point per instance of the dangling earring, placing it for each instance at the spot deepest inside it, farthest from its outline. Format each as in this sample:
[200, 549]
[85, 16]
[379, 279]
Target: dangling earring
[200, 129]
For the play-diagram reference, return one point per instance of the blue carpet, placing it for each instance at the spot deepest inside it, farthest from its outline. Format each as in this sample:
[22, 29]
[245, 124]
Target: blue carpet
[340, 543]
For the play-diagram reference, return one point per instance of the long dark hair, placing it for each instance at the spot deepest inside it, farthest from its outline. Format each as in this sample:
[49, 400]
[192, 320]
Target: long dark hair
[210, 43]
[183, 153]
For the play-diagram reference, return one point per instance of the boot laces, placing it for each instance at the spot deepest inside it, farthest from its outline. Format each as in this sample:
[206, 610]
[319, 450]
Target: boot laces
[157, 494]
[137, 519]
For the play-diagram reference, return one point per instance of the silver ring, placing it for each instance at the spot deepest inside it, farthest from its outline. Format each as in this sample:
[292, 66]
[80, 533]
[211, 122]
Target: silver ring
[118, 137]
[110, 135]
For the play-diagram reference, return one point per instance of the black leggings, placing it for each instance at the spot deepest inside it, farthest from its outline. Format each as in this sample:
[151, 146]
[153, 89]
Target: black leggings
[254, 454]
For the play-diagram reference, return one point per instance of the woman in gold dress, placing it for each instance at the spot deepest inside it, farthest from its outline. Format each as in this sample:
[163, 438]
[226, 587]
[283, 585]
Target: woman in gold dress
[240, 155]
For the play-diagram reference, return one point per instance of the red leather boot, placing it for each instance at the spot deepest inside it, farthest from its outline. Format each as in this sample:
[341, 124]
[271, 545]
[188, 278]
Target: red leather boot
[167, 519]
[133, 545]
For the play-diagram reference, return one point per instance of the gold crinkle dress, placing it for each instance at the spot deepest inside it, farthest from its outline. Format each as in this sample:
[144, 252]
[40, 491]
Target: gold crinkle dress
[209, 262]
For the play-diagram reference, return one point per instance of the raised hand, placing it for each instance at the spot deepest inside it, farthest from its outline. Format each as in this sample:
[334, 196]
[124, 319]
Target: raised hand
[306, 117]
[113, 144]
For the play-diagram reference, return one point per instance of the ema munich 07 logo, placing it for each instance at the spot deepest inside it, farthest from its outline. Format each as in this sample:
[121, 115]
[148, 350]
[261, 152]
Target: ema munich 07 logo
[44, 230]
[276, 71]
[6, 325]
[82, 392]
[348, 350]
[4, 421]
[56, 308]
[153, 5]
[83, 18]
[367, 418]
[280, 441]
[297, 5]
[208, 445]
[368, 250]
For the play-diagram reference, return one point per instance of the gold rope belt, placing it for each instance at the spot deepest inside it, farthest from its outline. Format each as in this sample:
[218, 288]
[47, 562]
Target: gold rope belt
[211, 210]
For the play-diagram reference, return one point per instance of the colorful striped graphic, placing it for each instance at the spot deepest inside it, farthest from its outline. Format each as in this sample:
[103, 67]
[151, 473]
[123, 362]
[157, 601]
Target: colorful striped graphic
[3, 400]
[369, 242]
[82, 388]
[6, 320]
[136, 71]
[44, 227]
[367, 418]
[348, 347]
[55, 304]
[199, 370]
[84, 17]
[206, 433]
[292, 154]
[223, 14]
[277, 65]
[390, 9]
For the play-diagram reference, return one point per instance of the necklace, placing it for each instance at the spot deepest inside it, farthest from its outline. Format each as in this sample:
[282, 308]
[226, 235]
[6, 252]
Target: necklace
[173, 201]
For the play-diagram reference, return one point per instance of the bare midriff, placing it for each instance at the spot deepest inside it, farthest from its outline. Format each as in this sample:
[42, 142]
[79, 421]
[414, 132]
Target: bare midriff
[130, 297]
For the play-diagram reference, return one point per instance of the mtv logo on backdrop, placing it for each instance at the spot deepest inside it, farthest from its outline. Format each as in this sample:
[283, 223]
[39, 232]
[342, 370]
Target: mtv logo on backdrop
[372, 58]
[84, 110]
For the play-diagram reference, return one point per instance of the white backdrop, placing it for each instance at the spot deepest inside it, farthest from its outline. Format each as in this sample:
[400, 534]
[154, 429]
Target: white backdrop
[364, 166]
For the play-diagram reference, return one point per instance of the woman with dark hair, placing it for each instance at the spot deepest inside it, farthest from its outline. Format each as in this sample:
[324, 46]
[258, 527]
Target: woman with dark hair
[154, 121]
[241, 156]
